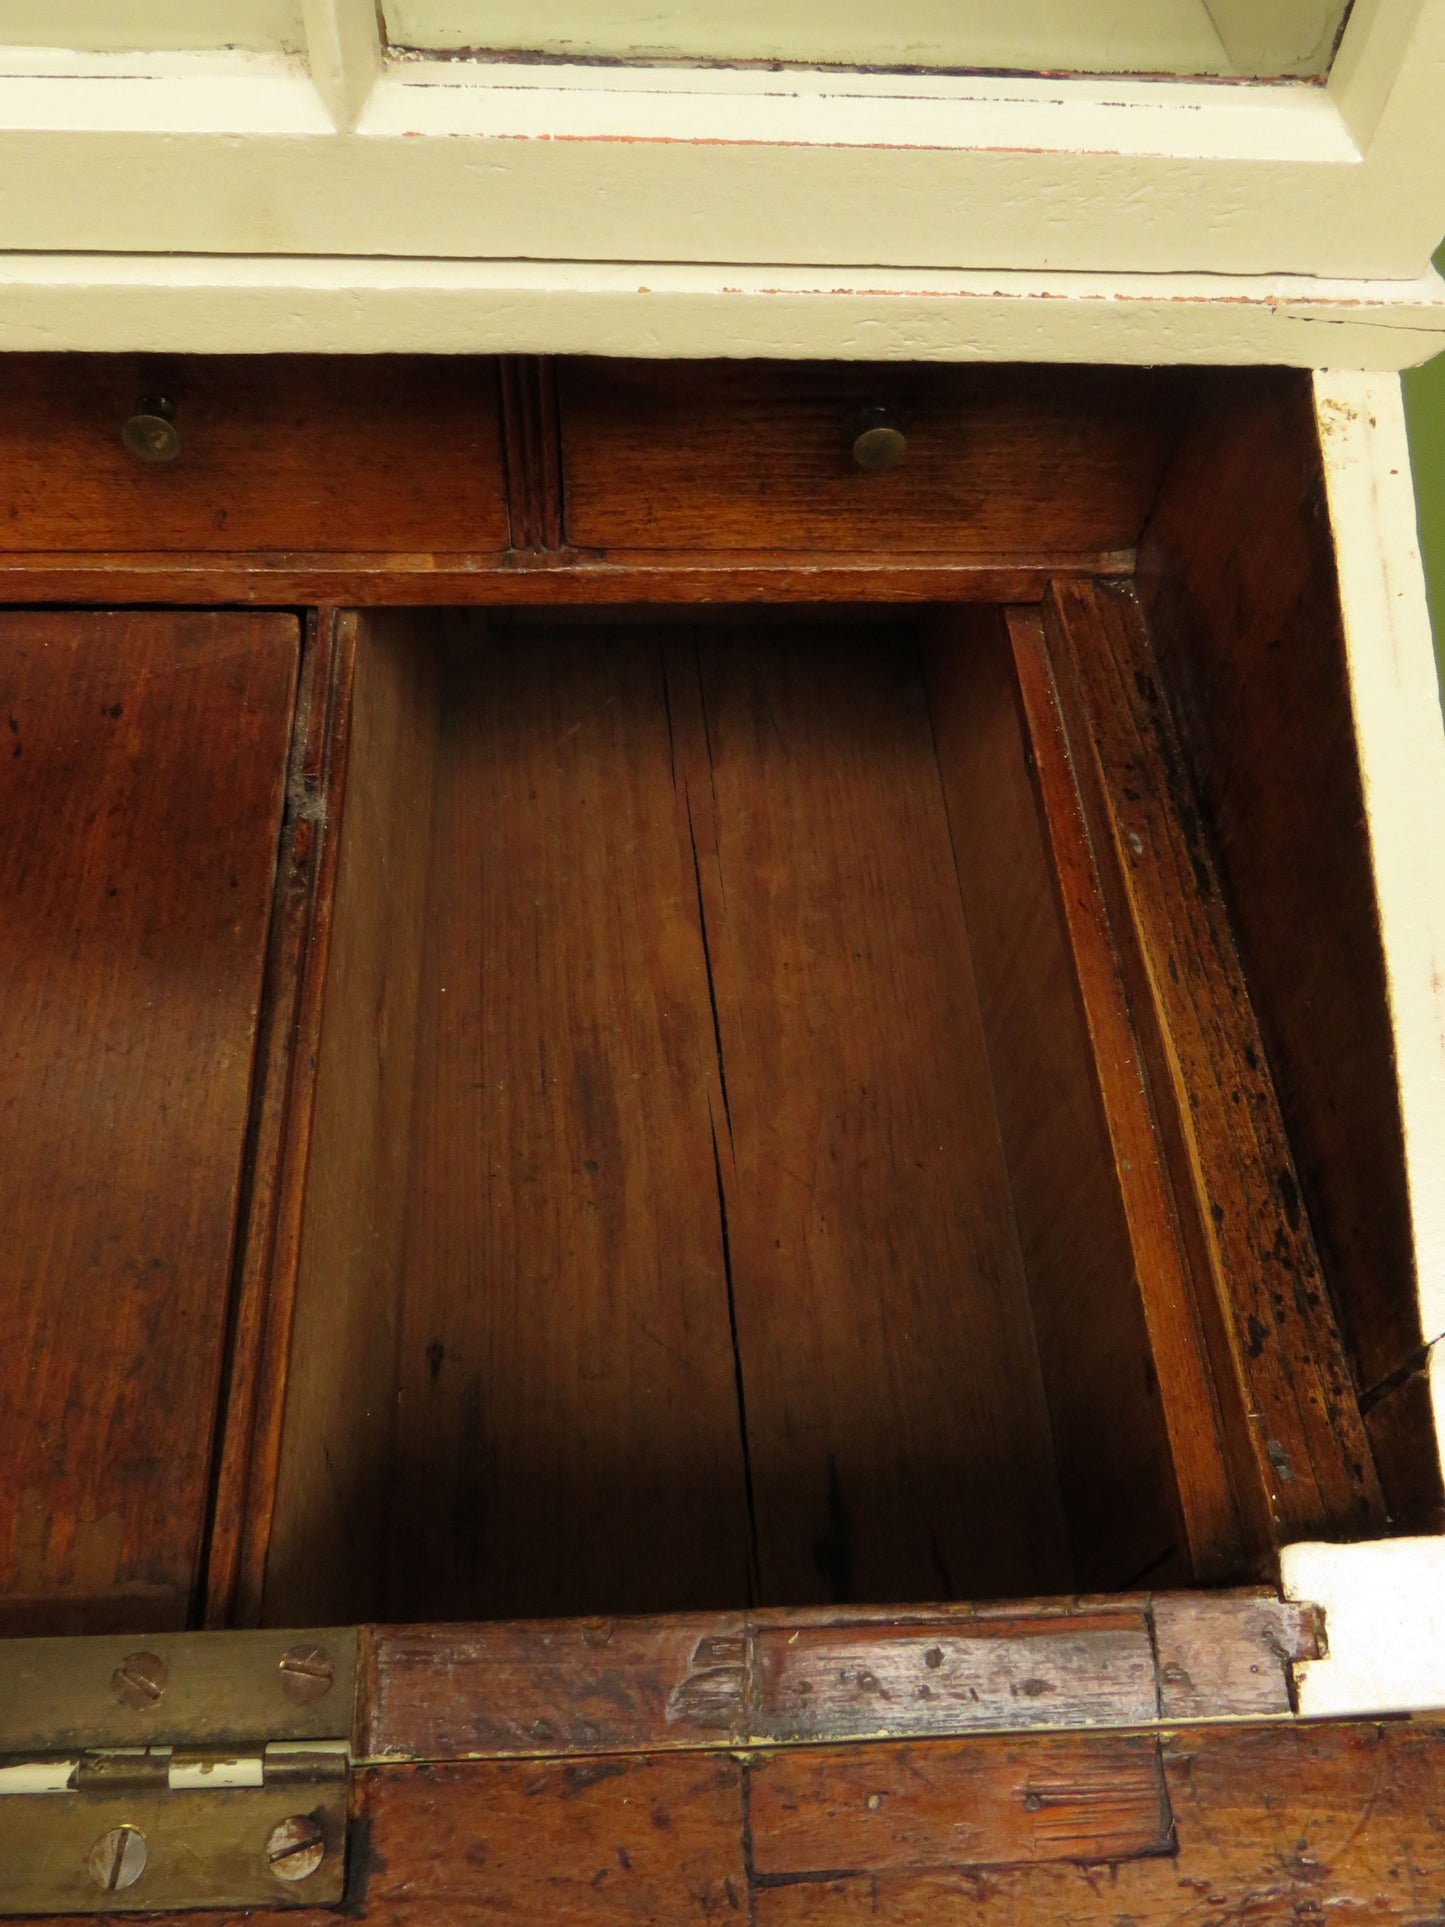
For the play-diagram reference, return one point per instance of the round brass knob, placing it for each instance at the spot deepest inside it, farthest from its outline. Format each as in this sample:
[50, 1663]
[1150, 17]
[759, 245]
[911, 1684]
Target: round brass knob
[151, 434]
[878, 444]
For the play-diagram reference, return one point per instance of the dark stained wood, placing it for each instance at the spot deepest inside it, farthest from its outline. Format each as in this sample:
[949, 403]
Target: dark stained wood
[532, 450]
[568, 1434]
[143, 769]
[817, 1674]
[1116, 1477]
[1218, 1655]
[898, 1440]
[1274, 1824]
[757, 455]
[1008, 1674]
[278, 452]
[544, 578]
[993, 1803]
[1237, 573]
[317, 1493]
[259, 1342]
[1301, 1459]
[1161, 1272]
[1400, 1420]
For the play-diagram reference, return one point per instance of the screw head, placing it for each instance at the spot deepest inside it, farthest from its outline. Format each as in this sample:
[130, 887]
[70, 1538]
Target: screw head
[117, 1859]
[306, 1674]
[139, 1680]
[151, 435]
[296, 1848]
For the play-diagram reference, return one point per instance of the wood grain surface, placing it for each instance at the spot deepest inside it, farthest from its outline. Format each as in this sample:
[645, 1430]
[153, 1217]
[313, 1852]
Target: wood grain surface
[277, 452]
[142, 770]
[752, 455]
[1300, 1456]
[1237, 574]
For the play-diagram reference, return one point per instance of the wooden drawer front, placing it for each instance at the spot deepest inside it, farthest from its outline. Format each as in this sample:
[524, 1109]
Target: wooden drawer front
[279, 452]
[735, 456]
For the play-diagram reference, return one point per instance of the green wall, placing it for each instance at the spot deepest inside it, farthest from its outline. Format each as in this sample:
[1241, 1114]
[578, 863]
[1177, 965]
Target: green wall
[1425, 412]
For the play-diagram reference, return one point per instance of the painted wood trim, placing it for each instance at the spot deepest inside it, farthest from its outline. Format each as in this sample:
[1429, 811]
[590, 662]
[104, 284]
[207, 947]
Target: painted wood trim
[276, 304]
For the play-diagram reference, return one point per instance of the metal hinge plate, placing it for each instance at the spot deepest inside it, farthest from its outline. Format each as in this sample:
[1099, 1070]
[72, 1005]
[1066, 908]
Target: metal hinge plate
[179, 1771]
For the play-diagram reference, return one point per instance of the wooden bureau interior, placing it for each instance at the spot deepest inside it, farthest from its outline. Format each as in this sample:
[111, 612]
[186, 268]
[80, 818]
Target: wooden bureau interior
[816, 1037]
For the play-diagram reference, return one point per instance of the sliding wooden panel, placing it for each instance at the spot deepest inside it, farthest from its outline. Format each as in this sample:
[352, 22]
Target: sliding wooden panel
[1129, 1405]
[567, 1426]
[899, 1441]
[1300, 1456]
[1237, 572]
[141, 786]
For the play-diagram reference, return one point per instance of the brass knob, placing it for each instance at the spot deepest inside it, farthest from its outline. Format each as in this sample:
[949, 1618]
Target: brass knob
[878, 444]
[151, 434]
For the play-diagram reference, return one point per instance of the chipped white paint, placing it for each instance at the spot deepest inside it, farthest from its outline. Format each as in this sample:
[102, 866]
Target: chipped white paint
[210, 304]
[485, 159]
[1384, 1607]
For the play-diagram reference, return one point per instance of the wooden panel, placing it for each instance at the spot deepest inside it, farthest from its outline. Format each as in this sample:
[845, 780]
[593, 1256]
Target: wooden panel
[1116, 1477]
[1401, 1425]
[1273, 1824]
[899, 1444]
[1161, 1263]
[824, 1673]
[142, 788]
[1301, 1457]
[1238, 576]
[568, 1431]
[327, 1475]
[278, 452]
[976, 1803]
[846, 1683]
[754, 455]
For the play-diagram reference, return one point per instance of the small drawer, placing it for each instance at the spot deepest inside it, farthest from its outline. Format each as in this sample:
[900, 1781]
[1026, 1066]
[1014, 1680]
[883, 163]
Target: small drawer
[857, 457]
[294, 453]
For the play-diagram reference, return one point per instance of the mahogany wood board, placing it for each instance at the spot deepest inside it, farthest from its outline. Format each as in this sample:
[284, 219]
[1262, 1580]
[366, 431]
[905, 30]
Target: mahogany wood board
[277, 452]
[1237, 573]
[1116, 1478]
[817, 1675]
[567, 1434]
[543, 579]
[143, 766]
[750, 455]
[1302, 1455]
[899, 1444]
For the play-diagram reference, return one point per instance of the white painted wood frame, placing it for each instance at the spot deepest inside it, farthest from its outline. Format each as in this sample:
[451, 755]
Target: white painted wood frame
[249, 154]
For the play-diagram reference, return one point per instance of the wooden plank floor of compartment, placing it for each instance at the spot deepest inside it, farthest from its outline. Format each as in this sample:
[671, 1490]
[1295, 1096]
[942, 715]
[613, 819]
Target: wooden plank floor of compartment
[567, 1432]
[899, 1441]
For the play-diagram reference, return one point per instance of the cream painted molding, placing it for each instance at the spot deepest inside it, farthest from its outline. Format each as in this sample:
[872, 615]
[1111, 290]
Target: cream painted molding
[1384, 1625]
[211, 304]
[489, 160]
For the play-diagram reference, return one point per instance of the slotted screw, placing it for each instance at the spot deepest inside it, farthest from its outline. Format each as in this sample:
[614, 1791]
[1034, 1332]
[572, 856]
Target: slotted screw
[306, 1674]
[296, 1848]
[117, 1859]
[139, 1680]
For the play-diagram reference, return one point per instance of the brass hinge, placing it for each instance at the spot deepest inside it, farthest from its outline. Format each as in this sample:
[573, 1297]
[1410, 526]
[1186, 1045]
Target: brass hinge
[179, 1771]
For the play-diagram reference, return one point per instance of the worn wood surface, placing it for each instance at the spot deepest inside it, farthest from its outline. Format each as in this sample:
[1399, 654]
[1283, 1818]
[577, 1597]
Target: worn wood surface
[278, 453]
[747, 455]
[814, 1811]
[1301, 1459]
[1116, 1477]
[567, 1432]
[813, 1675]
[532, 450]
[1237, 573]
[1178, 1358]
[545, 578]
[253, 1384]
[143, 765]
[314, 1504]
[1264, 1825]
[899, 1445]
